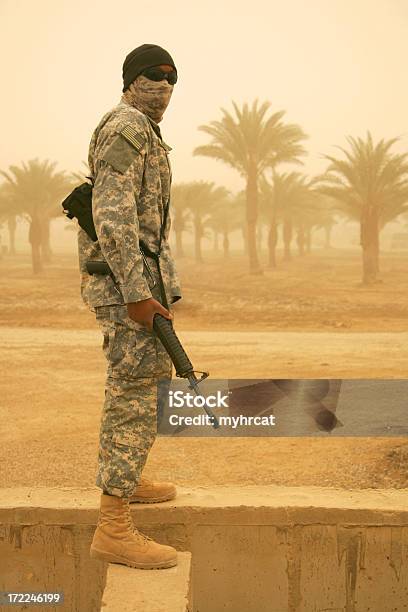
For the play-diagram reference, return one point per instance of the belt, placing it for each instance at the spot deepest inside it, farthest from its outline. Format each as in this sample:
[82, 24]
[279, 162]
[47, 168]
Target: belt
[101, 267]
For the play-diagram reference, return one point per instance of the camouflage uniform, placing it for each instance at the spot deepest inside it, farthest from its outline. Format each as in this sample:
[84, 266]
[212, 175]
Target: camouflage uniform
[132, 177]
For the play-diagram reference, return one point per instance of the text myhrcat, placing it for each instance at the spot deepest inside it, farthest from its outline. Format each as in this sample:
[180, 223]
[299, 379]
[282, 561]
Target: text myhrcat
[179, 399]
[226, 421]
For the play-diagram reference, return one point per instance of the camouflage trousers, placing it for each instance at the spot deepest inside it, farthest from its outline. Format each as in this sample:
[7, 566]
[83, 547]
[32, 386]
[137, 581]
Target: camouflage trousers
[138, 377]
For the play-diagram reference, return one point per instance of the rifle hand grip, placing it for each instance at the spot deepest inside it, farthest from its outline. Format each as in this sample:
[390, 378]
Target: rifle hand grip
[184, 368]
[168, 337]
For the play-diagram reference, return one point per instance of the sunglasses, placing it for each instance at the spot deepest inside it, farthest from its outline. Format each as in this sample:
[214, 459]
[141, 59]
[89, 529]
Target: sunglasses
[157, 74]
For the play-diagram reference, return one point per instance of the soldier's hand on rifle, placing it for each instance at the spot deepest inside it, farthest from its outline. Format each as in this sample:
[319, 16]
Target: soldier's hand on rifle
[143, 312]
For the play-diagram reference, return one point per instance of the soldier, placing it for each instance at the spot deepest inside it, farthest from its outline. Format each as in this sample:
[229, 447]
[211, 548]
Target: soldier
[131, 172]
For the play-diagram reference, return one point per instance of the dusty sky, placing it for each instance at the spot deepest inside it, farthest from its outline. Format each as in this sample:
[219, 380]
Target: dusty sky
[337, 67]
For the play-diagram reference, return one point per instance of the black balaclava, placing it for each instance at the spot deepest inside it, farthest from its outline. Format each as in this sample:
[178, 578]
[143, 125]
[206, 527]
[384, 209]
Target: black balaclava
[145, 56]
[150, 97]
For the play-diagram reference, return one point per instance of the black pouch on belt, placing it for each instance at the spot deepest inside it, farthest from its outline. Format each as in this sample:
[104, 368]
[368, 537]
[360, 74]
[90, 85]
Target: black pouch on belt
[78, 205]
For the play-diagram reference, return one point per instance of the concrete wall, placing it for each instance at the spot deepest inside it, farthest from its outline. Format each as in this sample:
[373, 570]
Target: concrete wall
[128, 590]
[263, 549]
[51, 558]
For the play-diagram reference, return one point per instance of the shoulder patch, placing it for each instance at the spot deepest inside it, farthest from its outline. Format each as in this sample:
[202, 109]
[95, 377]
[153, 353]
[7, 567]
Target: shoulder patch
[133, 136]
[127, 145]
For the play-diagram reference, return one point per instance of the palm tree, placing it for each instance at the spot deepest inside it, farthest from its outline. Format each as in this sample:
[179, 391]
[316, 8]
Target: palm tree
[34, 192]
[225, 218]
[249, 144]
[8, 215]
[314, 213]
[370, 186]
[239, 208]
[181, 214]
[287, 201]
[12, 226]
[321, 216]
[201, 198]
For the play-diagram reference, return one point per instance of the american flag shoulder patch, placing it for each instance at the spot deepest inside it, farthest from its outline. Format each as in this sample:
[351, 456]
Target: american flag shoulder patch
[135, 138]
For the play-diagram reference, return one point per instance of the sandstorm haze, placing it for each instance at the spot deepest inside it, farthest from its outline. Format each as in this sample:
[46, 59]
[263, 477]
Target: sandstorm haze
[334, 70]
[337, 68]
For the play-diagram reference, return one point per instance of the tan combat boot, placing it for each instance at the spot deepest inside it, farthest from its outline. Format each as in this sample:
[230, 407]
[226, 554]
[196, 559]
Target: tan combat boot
[149, 492]
[116, 540]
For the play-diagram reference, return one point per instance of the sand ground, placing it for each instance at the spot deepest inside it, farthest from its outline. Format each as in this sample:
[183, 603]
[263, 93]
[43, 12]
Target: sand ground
[309, 318]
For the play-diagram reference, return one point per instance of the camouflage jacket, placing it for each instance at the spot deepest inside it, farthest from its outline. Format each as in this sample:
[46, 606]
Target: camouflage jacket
[129, 163]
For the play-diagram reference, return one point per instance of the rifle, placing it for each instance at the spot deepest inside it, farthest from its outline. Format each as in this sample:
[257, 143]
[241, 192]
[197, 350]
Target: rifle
[78, 205]
[165, 331]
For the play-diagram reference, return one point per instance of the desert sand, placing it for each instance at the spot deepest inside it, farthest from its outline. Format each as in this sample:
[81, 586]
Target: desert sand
[309, 318]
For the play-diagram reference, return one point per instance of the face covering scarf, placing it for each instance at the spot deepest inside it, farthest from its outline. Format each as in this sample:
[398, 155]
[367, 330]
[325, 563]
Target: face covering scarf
[150, 97]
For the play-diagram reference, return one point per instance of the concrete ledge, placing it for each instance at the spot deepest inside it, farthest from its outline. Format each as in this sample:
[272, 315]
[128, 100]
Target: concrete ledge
[273, 504]
[258, 549]
[130, 590]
